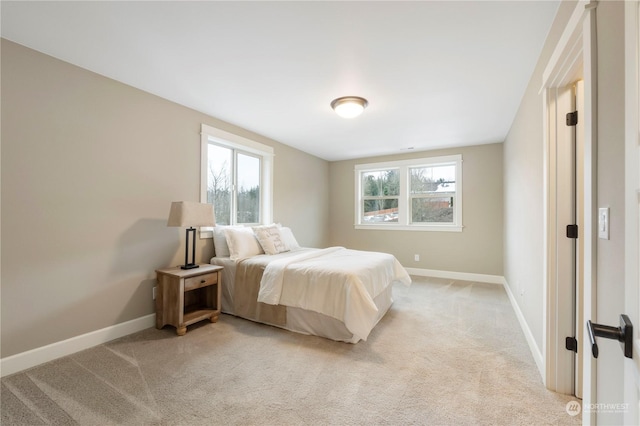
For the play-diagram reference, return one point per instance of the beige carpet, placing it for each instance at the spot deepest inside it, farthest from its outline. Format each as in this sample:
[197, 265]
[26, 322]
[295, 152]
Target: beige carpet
[447, 353]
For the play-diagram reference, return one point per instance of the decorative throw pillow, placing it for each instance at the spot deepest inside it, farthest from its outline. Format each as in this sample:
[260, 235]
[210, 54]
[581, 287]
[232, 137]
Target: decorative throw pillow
[288, 239]
[269, 238]
[242, 243]
[220, 240]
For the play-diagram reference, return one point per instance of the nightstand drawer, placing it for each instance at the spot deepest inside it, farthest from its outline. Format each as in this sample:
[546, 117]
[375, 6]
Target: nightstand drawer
[200, 281]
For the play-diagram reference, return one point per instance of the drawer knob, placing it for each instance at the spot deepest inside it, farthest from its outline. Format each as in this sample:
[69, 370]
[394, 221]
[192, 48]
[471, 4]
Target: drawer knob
[203, 281]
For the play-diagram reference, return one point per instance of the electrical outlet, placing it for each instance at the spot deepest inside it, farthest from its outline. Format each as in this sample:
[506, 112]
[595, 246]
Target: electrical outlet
[154, 293]
[416, 257]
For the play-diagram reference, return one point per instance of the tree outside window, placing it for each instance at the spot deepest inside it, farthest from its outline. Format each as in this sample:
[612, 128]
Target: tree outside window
[381, 190]
[233, 185]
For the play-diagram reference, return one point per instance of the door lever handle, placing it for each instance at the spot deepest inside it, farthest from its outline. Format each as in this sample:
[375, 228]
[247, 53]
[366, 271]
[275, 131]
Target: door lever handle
[623, 334]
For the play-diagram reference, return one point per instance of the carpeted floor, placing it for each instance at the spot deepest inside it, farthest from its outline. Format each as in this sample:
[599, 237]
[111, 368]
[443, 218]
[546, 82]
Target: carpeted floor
[447, 353]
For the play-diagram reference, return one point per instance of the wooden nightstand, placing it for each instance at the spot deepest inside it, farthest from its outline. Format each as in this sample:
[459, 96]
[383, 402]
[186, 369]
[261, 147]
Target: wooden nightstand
[188, 296]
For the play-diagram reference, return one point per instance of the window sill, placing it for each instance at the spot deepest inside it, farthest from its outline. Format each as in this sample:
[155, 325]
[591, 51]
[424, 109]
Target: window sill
[430, 228]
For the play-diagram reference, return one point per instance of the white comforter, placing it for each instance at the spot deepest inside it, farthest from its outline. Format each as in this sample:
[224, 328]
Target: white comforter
[337, 282]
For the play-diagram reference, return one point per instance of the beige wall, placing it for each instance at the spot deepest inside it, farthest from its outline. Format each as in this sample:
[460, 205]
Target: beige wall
[89, 169]
[477, 249]
[523, 192]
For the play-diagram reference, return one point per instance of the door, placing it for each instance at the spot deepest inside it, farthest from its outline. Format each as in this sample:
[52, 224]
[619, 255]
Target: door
[566, 254]
[632, 207]
[617, 384]
[624, 408]
[575, 209]
[570, 206]
[562, 210]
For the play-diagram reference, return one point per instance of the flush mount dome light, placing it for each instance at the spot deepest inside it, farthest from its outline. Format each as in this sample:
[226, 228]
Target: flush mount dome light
[349, 106]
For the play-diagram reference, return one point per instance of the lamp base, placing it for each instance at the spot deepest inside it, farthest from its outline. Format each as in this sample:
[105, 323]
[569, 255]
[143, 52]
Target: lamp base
[189, 266]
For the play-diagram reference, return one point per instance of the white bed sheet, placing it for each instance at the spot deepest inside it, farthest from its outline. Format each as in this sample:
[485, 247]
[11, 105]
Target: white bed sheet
[336, 323]
[338, 282]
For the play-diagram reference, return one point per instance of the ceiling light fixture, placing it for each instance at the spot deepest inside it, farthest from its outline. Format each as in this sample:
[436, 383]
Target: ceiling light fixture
[349, 106]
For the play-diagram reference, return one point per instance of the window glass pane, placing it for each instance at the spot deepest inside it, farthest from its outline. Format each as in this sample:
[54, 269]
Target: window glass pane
[381, 210]
[219, 182]
[381, 183]
[248, 192]
[432, 209]
[426, 180]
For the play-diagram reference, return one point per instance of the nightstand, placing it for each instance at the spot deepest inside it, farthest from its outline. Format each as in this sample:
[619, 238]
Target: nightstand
[186, 296]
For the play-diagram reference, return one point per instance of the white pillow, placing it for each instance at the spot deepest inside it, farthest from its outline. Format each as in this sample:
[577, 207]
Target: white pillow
[269, 238]
[242, 243]
[288, 239]
[220, 240]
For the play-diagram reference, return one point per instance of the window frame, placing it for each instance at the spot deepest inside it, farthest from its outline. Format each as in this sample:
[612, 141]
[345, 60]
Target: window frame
[405, 198]
[245, 146]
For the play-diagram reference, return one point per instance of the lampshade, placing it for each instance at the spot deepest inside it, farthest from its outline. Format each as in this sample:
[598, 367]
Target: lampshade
[189, 213]
[349, 106]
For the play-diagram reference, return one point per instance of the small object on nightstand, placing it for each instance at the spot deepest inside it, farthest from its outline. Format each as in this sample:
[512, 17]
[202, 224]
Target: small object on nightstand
[187, 213]
[187, 296]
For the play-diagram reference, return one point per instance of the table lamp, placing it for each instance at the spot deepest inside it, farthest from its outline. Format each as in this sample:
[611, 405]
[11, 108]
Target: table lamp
[188, 213]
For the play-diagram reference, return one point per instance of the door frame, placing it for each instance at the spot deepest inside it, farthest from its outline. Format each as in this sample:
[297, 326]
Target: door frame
[575, 54]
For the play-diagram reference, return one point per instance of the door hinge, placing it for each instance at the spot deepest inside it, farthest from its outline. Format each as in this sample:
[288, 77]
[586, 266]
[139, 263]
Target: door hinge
[571, 344]
[572, 118]
[572, 231]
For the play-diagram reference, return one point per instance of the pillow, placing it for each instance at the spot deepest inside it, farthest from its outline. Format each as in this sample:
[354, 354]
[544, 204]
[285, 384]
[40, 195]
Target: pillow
[220, 240]
[242, 243]
[269, 238]
[288, 239]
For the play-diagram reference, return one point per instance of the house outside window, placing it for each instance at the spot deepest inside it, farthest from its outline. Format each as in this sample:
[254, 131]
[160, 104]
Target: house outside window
[236, 177]
[417, 194]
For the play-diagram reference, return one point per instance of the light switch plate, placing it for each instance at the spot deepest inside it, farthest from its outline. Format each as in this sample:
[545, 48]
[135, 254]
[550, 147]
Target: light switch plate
[603, 223]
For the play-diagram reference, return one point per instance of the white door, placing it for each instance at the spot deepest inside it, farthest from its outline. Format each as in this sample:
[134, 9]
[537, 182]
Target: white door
[571, 271]
[566, 203]
[565, 208]
[625, 410]
[632, 208]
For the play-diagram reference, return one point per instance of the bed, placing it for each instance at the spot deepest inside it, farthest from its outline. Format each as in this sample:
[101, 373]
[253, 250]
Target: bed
[336, 293]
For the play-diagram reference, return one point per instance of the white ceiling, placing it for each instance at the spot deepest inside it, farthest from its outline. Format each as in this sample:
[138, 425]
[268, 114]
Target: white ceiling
[436, 73]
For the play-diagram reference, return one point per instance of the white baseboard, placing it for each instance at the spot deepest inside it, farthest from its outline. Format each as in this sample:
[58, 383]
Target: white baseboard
[18, 362]
[464, 276]
[533, 346]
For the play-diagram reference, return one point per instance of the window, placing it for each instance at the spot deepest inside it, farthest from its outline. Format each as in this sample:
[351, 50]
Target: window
[380, 195]
[432, 190]
[419, 194]
[236, 177]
